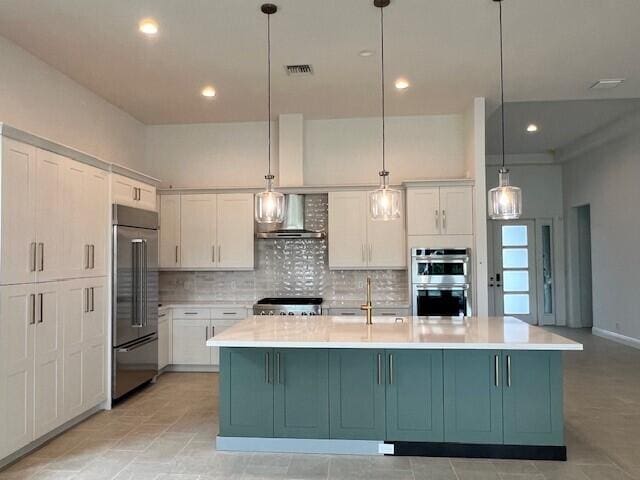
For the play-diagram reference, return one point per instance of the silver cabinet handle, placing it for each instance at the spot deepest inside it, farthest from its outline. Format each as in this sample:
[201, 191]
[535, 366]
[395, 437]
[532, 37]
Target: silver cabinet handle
[391, 369]
[40, 308]
[508, 370]
[213, 330]
[266, 367]
[444, 219]
[219, 253]
[86, 301]
[32, 308]
[177, 253]
[362, 251]
[379, 368]
[496, 370]
[41, 257]
[93, 256]
[93, 299]
[32, 257]
[213, 254]
[370, 252]
[87, 262]
[206, 333]
[437, 217]
[278, 381]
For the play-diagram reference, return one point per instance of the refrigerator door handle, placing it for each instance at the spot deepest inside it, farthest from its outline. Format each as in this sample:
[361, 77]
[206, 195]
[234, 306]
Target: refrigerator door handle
[137, 268]
[145, 287]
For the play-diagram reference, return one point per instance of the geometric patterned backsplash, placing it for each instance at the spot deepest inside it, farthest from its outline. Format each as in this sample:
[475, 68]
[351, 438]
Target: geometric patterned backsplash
[287, 268]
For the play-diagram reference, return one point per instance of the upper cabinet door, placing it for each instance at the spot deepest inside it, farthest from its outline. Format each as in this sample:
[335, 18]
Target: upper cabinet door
[123, 191]
[146, 196]
[169, 231]
[49, 219]
[74, 243]
[387, 242]
[456, 205]
[423, 211]
[348, 246]
[96, 217]
[18, 242]
[198, 231]
[235, 231]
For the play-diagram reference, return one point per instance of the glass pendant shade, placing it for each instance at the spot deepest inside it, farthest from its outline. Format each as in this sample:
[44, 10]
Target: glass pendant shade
[385, 202]
[269, 205]
[505, 201]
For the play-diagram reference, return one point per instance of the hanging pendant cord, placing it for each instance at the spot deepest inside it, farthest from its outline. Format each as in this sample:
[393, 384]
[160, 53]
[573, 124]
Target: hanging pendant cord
[269, 87]
[501, 82]
[382, 82]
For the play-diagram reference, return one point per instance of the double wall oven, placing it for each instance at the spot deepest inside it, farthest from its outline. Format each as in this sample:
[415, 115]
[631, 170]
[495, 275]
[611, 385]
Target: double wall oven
[441, 282]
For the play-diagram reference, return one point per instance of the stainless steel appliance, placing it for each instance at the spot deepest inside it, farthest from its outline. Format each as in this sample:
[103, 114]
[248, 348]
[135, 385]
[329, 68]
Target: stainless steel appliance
[293, 226]
[288, 306]
[135, 298]
[441, 281]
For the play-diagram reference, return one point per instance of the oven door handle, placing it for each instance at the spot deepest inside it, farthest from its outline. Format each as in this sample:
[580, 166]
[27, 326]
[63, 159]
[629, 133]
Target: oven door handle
[439, 286]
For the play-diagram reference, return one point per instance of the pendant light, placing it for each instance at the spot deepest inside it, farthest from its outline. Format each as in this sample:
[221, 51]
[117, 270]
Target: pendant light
[384, 202]
[269, 205]
[505, 201]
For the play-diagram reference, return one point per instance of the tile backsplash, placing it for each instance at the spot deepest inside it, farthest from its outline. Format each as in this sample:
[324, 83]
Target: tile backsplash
[287, 268]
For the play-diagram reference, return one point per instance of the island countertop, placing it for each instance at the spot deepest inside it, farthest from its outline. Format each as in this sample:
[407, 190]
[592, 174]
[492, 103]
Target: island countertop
[470, 333]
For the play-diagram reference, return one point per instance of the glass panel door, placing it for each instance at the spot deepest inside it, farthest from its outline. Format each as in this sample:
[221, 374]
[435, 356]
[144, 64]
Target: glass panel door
[514, 279]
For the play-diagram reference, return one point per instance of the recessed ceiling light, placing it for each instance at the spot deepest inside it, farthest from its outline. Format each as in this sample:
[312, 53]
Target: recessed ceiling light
[532, 128]
[209, 92]
[607, 83]
[402, 83]
[365, 53]
[148, 26]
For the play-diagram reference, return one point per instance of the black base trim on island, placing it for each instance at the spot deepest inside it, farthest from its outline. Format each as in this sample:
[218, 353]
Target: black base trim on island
[473, 450]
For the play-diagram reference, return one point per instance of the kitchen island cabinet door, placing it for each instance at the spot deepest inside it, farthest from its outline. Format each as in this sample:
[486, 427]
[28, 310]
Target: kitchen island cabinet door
[414, 396]
[357, 394]
[246, 392]
[472, 396]
[532, 398]
[301, 393]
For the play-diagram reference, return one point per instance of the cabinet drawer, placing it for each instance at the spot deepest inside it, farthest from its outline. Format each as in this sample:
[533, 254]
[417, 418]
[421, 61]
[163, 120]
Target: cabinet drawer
[229, 313]
[190, 313]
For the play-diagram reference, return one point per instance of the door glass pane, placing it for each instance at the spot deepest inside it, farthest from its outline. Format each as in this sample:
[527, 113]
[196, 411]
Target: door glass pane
[515, 258]
[514, 235]
[516, 304]
[516, 281]
[547, 270]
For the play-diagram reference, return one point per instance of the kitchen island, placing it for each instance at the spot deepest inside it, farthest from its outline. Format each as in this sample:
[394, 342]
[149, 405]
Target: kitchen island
[475, 386]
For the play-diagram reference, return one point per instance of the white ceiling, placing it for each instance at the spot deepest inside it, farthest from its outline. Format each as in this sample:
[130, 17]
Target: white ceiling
[559, 123]
[448, 50]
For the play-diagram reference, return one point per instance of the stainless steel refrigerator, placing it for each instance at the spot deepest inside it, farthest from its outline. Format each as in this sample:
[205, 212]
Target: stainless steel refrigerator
[135, 298]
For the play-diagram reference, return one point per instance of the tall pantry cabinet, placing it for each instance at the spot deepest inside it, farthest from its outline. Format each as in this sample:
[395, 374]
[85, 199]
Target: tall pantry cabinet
[53, 291]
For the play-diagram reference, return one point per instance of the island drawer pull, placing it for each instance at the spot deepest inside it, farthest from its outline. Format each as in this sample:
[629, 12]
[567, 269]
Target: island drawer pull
[278, 375]
[379, 369]
[391, 369]
[496, 370]
[266, 367]
[508, 370]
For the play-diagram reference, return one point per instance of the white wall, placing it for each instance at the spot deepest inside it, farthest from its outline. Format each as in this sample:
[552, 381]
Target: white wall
[210, 154]
[603, 170]
[39, 99]
[347, 151]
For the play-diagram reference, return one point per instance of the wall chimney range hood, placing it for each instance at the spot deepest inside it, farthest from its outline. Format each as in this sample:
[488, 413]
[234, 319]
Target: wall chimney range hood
[293, 226]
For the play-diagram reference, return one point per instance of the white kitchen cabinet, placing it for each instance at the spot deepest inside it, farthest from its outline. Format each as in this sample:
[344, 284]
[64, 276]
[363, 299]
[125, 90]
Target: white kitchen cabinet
[440, 210]
[207, 231]
[235, 235]
[17, 332]
[85, 212]
[348, 230]
[18, 236]
[169, 231]
[198, 231]
[357, 241]
[189, 341]
[83, 307]
[48, 353]
[130, 192]
[165, 338]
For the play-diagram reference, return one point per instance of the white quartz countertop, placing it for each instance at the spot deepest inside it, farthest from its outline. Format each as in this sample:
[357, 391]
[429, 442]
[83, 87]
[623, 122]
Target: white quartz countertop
[486, 333]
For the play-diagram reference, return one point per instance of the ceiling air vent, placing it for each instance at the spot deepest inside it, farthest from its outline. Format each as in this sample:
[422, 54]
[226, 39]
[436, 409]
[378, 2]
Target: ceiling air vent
[299, 70]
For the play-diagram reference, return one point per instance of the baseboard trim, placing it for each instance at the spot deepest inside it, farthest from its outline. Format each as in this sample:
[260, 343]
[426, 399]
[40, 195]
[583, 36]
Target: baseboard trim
[17, 455]
[472, 450]
[301, 445]
[616, 337]
[191, 368]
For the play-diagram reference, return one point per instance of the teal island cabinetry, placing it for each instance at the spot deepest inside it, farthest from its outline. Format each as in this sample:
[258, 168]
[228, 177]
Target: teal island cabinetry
[350, 394]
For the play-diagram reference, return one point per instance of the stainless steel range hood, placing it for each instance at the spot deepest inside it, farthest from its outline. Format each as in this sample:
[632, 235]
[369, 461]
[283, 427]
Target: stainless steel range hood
[293, 226]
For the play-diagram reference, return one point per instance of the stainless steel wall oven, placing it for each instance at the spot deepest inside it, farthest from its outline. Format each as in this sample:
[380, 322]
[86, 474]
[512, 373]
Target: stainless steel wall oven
[441, 282]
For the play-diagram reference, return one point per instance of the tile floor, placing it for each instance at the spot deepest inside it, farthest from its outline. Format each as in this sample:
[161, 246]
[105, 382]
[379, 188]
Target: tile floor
[167, 431]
